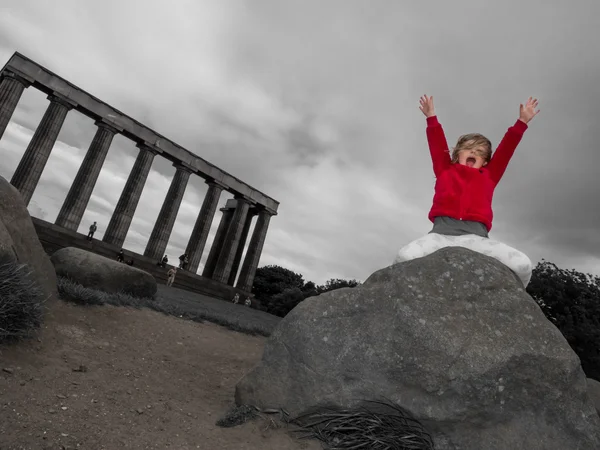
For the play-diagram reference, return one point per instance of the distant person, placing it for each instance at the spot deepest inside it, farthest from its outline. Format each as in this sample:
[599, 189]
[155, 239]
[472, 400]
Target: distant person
[183, 261]
[130, 262]
[171, 276]
[121, 256]
[247, 302]
[465, 182]
[93, 229]
[236, 298]
[164, 261]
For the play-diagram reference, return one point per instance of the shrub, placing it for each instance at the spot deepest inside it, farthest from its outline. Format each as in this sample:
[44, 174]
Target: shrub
[282, 303]
[21, 301]
[273, 280]
[569, 299]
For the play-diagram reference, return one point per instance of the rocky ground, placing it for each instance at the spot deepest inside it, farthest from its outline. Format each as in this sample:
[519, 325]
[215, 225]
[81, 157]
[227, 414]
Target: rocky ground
[105, 377]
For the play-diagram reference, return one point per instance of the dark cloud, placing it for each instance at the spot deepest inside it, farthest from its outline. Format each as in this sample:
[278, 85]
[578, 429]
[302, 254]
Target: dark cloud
[315, 104]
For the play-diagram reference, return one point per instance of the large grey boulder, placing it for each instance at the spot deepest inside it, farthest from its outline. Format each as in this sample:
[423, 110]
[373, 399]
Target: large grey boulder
[97, 272]
[19, 240]
[452, 337]
[594, 391]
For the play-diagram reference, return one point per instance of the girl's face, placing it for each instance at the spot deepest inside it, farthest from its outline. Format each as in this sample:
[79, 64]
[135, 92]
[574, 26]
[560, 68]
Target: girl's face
[474, 158]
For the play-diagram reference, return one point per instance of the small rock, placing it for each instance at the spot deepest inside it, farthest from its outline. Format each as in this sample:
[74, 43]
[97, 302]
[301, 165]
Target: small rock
[64, 408]
[81, 368]
[140, 411]
[8, 370]
[52, 411]
[61, 396]
[23, 382]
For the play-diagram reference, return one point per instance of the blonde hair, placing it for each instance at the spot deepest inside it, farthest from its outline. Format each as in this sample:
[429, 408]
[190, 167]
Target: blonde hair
[470, 141]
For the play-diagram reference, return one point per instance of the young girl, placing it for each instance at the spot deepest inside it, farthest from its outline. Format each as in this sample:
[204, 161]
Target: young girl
[465, 182]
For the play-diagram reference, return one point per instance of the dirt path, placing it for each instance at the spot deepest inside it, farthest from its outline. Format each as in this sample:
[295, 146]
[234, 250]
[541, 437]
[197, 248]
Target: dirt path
[111, 378]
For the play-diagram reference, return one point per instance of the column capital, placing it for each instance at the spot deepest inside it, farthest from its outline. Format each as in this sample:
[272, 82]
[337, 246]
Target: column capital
[62, 100]
[143, 145]
[23, 79]
[213, 182]
[184, 167]
[243, 198]
[103, 123]
[263, 209]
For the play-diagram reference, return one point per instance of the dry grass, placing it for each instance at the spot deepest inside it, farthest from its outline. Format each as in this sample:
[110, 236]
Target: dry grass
[76, 293]
[21, 301]
[373, 425]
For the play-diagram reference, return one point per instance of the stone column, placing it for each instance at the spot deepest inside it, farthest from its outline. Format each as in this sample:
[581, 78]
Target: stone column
[217, 245]
[123, 215]
[231, 242]
[240, 250]
[30, 168]
[206, 215]
[11, 89]
[246, 279]
[79, 195]
[163, 227]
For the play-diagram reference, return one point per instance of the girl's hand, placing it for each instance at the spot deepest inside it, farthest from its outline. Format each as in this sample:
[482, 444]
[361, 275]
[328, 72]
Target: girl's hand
[528, 112]
[426, 106]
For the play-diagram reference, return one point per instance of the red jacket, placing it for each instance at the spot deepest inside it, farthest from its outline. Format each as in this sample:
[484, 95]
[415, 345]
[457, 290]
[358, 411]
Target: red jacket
[463, 192]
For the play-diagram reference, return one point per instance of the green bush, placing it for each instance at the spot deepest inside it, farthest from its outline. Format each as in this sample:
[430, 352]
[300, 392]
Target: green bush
[282, 303]
[273, 280]
[21, 301]
[279, 290]
[571, 301]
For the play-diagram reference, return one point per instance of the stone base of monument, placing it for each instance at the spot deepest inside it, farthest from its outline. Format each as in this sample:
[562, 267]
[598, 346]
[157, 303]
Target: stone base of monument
[453, 338]
[97, 272]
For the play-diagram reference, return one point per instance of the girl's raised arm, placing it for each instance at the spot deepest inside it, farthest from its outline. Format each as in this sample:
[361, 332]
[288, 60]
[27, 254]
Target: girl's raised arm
[438, 147]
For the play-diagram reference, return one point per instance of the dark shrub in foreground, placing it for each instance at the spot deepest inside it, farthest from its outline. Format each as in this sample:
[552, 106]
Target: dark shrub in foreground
[21, 301]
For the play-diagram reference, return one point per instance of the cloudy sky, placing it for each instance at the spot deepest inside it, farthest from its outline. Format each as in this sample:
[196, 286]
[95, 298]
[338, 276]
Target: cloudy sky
[315, 103]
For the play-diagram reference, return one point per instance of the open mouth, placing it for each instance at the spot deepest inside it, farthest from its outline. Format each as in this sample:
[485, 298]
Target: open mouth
[471, 161]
